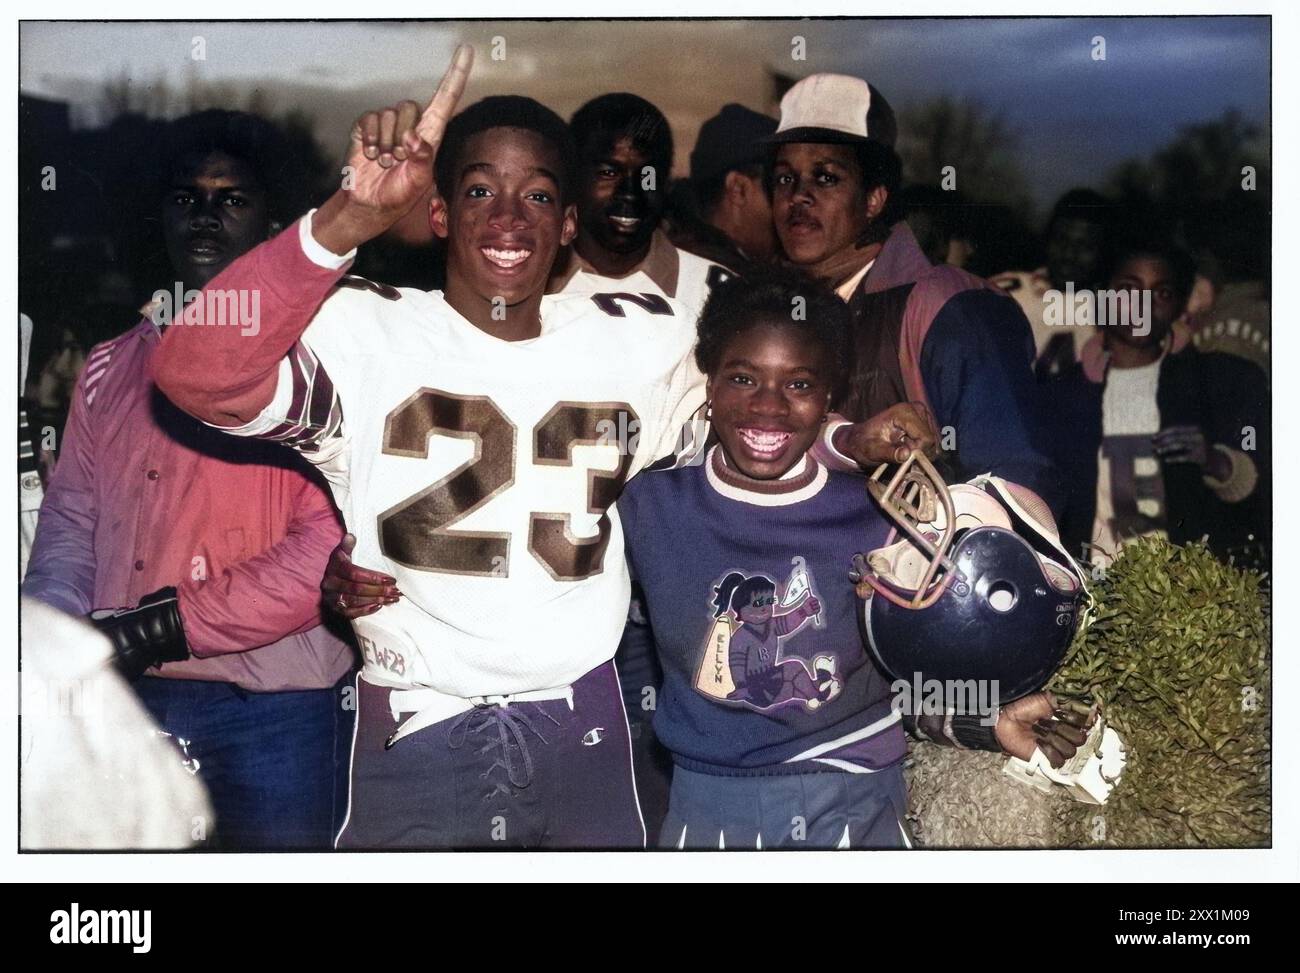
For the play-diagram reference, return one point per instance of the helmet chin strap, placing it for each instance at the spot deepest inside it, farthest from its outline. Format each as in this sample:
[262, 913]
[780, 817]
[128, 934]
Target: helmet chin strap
[909, 499]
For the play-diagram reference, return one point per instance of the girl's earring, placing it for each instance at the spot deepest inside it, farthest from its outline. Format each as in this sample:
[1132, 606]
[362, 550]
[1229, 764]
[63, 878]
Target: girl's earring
[708, 410]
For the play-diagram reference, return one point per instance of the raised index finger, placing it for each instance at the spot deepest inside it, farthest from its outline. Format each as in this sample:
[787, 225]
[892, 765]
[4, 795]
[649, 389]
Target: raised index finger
[439, 111]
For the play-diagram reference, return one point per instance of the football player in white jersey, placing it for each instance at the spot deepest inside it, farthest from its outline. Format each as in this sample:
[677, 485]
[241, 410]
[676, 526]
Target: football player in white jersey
[476, 440]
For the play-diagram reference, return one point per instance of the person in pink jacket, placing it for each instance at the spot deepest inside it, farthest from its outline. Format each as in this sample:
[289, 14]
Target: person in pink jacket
[198, 555]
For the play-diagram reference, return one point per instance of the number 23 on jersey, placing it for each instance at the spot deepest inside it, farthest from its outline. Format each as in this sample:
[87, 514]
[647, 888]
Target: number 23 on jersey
[420, 531]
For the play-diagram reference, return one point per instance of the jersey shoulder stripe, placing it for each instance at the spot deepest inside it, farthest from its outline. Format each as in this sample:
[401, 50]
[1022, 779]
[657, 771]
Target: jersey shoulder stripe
[314, 414]
[356, 283]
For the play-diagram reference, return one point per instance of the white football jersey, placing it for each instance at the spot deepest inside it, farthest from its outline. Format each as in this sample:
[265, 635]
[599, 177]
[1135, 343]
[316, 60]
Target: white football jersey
[696, 277]
[481, 473]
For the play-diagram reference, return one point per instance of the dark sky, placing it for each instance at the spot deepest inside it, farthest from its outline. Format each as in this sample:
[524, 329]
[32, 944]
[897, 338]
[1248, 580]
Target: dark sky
[1076, 118]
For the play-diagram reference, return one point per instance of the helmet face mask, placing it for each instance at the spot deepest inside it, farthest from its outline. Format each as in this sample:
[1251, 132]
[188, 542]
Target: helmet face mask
[913, 498]
[972, 583]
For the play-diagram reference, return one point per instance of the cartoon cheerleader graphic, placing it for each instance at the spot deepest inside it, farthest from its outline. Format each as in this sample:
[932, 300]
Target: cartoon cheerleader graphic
[743, 661]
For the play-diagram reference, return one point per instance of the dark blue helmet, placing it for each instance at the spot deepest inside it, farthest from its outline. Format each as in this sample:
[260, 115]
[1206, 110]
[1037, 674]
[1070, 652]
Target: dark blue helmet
[978, 587]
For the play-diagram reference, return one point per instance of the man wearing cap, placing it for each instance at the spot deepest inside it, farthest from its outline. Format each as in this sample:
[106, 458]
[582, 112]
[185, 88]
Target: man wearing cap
[922, 333]
[731, 222]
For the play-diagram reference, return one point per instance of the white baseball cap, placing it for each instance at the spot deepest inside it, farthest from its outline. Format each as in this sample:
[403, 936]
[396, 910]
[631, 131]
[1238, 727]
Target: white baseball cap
[835, 108]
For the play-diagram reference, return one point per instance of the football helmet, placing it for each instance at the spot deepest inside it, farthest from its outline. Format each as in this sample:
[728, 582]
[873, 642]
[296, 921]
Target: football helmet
[976, 585]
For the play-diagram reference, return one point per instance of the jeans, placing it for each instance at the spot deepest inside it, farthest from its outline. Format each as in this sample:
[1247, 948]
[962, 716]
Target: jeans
[275, 764]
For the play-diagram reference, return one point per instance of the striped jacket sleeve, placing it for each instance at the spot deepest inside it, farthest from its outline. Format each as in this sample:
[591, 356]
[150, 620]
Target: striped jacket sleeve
[61, 570]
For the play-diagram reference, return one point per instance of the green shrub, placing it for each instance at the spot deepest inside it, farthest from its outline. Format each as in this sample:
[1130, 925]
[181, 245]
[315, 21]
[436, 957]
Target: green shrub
[1178, 652]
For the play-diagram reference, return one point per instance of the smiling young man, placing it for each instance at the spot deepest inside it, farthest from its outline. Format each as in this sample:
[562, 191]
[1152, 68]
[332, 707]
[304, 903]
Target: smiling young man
[625, 159]
[921, 333]
[211, 548]
[466, 435]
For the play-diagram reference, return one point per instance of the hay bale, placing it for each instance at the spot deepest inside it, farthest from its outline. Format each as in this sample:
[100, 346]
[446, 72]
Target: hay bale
[961, 799]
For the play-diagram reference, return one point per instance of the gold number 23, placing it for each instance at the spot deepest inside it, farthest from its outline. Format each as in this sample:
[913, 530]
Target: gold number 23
[418, 531]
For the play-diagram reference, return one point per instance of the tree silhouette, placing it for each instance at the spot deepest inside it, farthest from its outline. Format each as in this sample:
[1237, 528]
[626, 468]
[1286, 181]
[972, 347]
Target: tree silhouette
[99, 233]
[991, 205]
[979, 145]
[1203, 162]
[1196, 185]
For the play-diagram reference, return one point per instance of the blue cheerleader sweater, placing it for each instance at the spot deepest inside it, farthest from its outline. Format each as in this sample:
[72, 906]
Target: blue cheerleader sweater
[758, 627]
